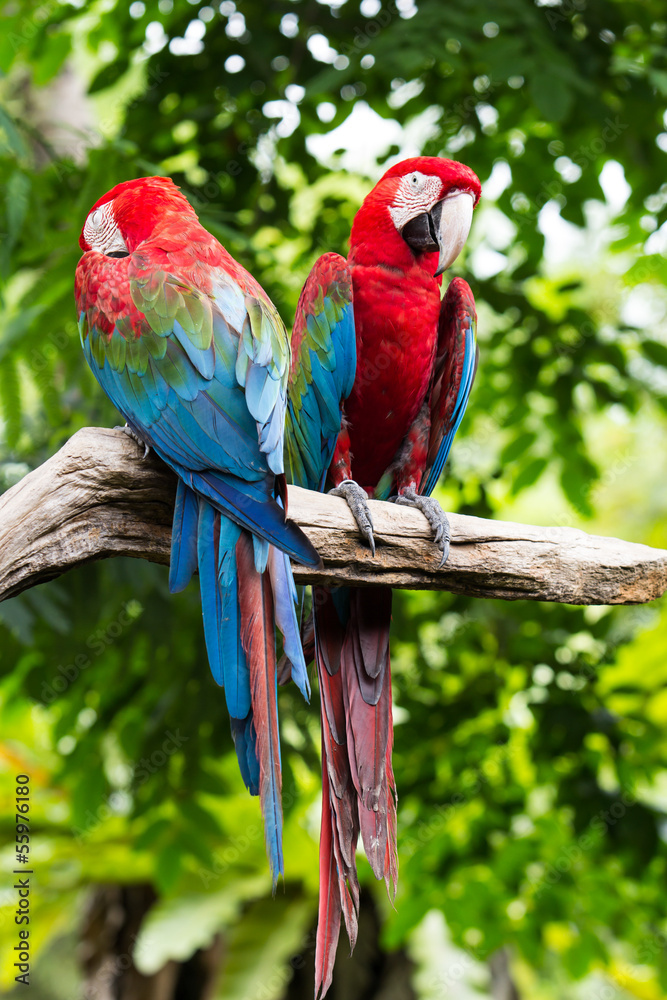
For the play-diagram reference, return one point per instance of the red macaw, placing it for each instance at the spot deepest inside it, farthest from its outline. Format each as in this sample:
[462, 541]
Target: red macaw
[386, 429]
[192, 352]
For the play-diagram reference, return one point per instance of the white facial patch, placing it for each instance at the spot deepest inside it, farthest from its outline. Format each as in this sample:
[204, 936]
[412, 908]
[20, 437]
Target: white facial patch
[416, 193]
[101, 232]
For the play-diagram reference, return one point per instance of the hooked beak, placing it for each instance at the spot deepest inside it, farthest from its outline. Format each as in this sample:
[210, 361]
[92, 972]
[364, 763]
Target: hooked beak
[444, 229]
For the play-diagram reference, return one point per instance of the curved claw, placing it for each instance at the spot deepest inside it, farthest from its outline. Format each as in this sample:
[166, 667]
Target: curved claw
[435, 516]
[357, 500]
[135, 437]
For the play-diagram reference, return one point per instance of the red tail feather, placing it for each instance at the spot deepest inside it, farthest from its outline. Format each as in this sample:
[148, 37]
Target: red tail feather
[391, 858]
[342, 799]
[257, 638]
[358, 791]
[328, 918]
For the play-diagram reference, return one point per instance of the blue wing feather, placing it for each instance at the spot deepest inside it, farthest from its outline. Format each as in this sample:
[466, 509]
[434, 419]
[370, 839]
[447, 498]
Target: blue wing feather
[450, 394]
[322, 372]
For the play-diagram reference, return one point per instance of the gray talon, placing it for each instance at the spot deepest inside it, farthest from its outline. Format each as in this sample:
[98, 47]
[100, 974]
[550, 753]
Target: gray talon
[135, 437]
[435, 516]
[357, 500]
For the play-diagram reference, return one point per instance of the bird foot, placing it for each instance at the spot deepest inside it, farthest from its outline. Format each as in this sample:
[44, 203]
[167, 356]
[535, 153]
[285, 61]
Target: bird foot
[357, 500]
[135, 437]
[435, 516]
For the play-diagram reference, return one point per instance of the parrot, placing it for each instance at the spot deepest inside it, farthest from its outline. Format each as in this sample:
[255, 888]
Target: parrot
[381, 372]
[192, 352]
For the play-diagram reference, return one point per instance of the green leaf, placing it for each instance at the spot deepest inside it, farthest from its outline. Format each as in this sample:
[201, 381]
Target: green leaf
[10, 399]
[200, 818]
[577, 478]
[655, 352]
[109, 75]
[175, 928]
[16, 199]
[88, 798]
[152, 834]
[55, 54]
[517, 448]
[529, 475]
[168, 866]
[270, 933]
[551, 95]
[10, 139]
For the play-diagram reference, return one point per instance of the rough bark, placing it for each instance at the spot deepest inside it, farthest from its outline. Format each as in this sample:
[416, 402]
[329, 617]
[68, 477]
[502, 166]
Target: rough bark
[112, 921]
[97, 497]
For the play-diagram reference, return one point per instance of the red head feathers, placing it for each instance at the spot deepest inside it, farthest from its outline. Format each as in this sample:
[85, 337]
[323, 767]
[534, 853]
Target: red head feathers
[128, 214]
[421, 206]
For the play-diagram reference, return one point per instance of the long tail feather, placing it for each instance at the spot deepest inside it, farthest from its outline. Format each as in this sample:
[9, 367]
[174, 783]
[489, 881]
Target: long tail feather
[208, 540]
[391, 857]
[216, 539]
[239, 601]
[183, 561]
[218, 580]
[258, 641]
[284, 599]
[245, 741]
[358, 788]
[343, 808]
[328, 919]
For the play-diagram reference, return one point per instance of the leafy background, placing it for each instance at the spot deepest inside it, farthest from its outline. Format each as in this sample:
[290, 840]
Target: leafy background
[530, 757]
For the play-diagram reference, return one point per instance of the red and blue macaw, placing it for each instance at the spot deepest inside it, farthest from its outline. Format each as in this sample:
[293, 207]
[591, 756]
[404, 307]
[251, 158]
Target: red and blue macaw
[192, 352]
[381, 372]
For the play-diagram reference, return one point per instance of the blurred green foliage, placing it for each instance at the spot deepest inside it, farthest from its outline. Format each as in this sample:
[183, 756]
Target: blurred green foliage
[530, 757]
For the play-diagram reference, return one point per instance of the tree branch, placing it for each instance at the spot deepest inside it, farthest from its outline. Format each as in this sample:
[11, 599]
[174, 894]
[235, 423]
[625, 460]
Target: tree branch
[97, 497]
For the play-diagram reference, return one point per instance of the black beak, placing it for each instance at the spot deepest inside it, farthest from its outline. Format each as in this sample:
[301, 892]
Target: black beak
[421, 233]
[443, 230]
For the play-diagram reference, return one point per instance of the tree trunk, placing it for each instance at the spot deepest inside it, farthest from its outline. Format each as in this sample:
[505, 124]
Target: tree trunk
[111, 926]
[109, 932]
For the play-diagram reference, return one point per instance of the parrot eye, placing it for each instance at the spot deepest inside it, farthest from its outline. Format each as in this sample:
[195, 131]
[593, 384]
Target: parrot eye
[102, 233]
[416, 181]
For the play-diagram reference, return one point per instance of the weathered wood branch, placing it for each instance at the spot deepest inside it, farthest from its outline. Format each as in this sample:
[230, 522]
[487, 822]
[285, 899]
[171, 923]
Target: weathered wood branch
[97, 497]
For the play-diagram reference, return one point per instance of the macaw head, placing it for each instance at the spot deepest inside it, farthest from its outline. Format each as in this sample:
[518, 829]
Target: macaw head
[129, 214]
[421, 206]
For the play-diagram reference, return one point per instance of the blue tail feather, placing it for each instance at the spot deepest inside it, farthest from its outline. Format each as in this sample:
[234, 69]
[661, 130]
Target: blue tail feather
[218, 580]
[243, 732]
[284, 601]
[183, 562]
[235, 665]
[246, 585]
[211, 600]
